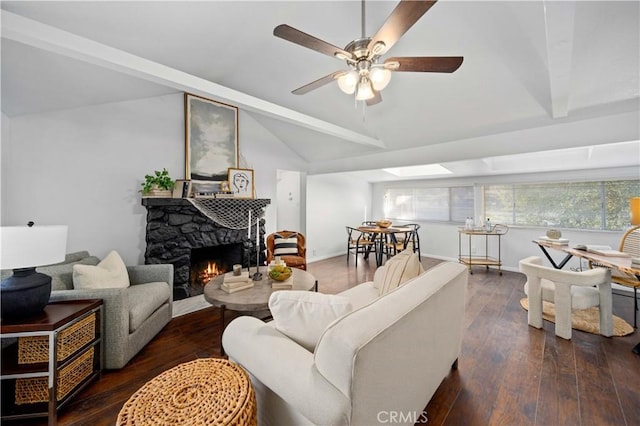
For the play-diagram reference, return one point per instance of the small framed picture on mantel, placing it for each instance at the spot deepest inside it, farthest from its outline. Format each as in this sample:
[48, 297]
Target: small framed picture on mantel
[241, 183]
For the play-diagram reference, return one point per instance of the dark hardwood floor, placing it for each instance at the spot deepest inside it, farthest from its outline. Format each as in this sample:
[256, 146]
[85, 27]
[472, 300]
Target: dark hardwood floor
[509, 373]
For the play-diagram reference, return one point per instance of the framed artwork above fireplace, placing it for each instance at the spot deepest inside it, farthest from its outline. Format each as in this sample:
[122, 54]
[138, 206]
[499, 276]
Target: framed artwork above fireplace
[211, 139]
[241, 183]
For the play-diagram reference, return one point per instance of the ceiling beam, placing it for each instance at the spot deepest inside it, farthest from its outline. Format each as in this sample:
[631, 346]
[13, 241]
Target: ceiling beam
[46, 37]
[559, 28]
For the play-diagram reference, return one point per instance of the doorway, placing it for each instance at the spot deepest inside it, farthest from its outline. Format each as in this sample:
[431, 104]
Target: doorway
[290, 203]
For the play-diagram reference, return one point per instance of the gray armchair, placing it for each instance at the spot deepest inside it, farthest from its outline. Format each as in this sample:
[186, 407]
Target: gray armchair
[132, 316]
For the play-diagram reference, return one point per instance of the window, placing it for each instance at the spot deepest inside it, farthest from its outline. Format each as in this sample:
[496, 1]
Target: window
[453, 204]
[581, 205]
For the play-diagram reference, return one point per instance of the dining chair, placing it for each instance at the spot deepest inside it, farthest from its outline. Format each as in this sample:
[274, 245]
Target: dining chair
[567, 290]
[358, 242]
[400, 240]
[630, 244]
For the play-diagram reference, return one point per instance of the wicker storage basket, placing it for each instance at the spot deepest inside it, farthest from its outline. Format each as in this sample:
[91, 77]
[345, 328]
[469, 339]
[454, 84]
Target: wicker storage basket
[36, 389]
[35, 349]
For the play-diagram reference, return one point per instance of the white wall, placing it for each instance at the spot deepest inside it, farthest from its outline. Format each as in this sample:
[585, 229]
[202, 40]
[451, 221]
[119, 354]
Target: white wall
[4, 155]
[440, 240]
[333, 202]
[83, 168]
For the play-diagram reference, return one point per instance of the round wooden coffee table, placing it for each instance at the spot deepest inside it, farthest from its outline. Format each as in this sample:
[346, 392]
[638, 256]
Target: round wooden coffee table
[253, 301]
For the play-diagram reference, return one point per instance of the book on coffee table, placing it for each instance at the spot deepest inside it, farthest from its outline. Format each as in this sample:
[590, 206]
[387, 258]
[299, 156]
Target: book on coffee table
[243, 277]
[234, 289]
[282, 285]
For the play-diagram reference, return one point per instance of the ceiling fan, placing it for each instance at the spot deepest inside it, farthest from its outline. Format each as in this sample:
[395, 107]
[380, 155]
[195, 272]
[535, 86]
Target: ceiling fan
[366, 77]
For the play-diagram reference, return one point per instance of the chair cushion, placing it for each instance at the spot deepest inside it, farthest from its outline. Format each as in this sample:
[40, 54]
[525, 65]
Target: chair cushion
[144, 300]
[62, 273]
[111, 272]
[294, 261]
[283, 246]
[304, 315]
[581, 297]
[398, 270]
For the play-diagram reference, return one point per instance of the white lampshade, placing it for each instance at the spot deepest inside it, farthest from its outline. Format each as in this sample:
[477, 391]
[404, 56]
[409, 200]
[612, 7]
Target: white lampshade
[25, 247]
[365, 91]
[347, 82]
[380, 77]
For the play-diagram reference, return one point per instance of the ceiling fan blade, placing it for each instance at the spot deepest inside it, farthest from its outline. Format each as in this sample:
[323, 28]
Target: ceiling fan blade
[406, 13]
[377, 98]
[318, 83]
[424, 63]
[303, 39]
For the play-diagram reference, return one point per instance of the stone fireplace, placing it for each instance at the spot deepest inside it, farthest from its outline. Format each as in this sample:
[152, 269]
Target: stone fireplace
[192, 234]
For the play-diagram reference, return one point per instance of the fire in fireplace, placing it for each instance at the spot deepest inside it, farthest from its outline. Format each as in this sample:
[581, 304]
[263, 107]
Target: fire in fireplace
[209, 262]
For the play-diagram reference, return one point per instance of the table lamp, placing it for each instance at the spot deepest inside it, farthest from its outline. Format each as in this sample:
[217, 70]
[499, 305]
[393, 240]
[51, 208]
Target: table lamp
[22, 249]
[634, 204]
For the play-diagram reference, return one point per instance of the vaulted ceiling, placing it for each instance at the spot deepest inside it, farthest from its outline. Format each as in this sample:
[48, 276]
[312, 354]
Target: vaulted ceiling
[536, 76]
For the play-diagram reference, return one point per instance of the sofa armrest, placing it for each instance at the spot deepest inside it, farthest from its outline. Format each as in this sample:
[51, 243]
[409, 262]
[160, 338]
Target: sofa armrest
[115, 311]
[141, 274]
[271, 357]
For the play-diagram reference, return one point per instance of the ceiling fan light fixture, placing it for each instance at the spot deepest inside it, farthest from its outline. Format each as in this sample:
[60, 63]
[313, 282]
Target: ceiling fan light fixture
[347, 82]
[380, 77]
[378, 48]
[364, 91]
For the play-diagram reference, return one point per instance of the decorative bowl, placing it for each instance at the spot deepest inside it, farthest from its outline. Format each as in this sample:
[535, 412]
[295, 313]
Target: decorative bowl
[383, 223]
[280, 273]
[554, 234]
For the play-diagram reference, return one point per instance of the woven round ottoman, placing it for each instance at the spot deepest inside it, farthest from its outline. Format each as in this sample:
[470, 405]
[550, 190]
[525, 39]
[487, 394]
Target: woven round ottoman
[202, 392]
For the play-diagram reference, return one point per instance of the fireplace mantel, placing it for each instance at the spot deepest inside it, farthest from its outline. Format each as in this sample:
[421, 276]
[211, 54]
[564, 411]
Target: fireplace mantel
[175, 226]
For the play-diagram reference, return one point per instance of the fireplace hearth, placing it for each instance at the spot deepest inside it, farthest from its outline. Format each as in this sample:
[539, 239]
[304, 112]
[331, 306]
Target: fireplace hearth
[179, 228]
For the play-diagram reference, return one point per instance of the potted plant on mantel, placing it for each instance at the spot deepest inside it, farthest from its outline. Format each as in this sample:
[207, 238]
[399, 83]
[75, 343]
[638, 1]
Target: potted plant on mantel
[158, 185]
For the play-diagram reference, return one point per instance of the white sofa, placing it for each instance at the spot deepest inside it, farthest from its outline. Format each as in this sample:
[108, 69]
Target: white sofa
[385, 359]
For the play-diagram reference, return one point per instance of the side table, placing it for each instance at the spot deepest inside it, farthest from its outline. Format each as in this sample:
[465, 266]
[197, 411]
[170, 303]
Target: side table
[49, 357]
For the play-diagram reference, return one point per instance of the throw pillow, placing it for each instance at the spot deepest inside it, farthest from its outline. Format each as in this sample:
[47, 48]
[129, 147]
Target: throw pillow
[400, 269]
[111, 272]
[378, 276]
[285, 246]
[304, 315]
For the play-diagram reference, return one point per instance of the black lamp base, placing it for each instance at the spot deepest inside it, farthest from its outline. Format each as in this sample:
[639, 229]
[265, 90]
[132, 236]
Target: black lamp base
[25, 293]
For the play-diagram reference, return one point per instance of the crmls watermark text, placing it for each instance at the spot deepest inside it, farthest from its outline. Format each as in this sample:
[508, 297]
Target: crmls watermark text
[402, 417]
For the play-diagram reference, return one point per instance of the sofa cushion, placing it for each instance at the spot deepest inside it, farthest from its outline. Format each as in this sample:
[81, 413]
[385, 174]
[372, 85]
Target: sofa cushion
[62, 273]
[304, 315]
[398, 270]
[144, 300]
[284, 246]
[111, 272]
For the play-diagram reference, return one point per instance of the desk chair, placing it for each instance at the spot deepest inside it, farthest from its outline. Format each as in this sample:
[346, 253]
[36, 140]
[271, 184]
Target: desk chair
[567, 290]
[630, 243]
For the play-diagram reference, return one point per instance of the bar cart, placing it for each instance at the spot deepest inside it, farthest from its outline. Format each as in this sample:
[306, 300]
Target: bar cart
[470, 259]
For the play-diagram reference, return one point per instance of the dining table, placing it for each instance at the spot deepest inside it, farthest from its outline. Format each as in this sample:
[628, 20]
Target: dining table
[381, 235]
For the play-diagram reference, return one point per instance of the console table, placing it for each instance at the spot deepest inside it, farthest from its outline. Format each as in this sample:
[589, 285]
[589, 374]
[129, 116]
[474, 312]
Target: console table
[49, 357]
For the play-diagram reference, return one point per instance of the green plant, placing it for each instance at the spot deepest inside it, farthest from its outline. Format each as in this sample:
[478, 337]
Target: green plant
[160, 180]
